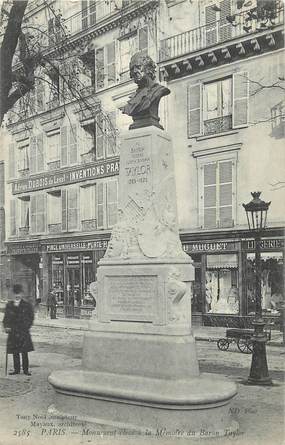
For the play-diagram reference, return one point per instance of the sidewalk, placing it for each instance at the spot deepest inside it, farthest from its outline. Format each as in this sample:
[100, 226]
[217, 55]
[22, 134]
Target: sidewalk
[201, 333]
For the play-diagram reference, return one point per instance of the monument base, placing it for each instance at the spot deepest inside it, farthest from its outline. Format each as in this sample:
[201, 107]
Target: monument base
[195, 406]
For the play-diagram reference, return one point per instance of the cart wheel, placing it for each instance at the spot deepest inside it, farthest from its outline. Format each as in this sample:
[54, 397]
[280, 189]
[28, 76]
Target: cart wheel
[245, 345]
[223, 344]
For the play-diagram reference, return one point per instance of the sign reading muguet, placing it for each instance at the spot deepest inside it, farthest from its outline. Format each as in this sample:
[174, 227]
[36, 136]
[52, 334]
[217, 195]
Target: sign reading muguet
[64, 177]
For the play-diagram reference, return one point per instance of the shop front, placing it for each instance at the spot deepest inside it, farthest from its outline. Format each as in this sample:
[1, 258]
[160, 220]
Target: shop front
[224, 287]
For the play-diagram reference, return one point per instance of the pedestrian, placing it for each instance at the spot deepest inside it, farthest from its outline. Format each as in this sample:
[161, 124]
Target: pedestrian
[52, 303]
[17, 321]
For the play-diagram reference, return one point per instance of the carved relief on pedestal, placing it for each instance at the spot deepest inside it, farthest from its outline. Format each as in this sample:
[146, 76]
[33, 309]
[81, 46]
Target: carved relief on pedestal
[177, 297]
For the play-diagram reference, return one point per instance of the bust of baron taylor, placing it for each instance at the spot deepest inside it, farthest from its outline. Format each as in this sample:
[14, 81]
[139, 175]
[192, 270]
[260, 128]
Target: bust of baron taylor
[143, 105]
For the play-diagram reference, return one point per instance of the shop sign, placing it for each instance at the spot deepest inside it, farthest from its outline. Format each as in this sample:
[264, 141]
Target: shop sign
[217, 246]
[86, 259]
[22, 248]
[77, 245]
[67, 176]
[266, 244]
[57, 261]
[72, 260]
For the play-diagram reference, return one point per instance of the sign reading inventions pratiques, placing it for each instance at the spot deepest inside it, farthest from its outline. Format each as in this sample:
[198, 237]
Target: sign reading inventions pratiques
[66, 176]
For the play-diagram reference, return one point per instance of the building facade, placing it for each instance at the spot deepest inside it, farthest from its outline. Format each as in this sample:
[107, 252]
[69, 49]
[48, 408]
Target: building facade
[228, 134]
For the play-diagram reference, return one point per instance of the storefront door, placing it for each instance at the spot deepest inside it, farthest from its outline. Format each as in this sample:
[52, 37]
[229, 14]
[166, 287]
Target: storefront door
[73, 292]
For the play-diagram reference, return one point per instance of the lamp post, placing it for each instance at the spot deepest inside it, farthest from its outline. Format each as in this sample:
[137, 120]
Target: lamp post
[256, 212]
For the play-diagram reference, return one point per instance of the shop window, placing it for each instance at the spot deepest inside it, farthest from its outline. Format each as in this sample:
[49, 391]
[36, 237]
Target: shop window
[197, 299]
[217, 193]
[218, 106]
[57, 277]
[222, 294]
[272, 282]
[87, 270]
[38, 213]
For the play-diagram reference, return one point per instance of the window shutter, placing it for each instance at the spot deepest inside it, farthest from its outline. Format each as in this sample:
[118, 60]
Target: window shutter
[210, 195]
[41, 212]
[211, 25]
[111, 134]
[92, 12]
[100, 204]
[225, 28]
[13, 228]
[33, 154]
[99, 68]
[112, 202]
[111, 63]
[64, 210]
[73, 208]
[33, 221]
[63, 146]
[99, 136]
[194, 121]
[225, 198]
[12, 169]
[240, 99]
[40, 154]
[143, 40]
[73, 144]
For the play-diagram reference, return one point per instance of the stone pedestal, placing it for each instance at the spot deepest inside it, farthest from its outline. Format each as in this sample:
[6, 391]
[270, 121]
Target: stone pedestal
[139, 365]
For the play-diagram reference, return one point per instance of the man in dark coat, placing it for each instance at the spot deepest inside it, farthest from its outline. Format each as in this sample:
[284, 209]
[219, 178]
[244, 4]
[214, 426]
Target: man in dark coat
[17, 321]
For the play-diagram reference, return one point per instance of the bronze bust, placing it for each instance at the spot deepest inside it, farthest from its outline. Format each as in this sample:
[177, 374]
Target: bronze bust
[143, 105]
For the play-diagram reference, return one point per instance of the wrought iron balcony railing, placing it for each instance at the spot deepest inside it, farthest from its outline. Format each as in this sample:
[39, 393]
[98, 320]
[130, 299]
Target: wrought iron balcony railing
[209, 35]
[54, 228]
[217, 125]
[53, 165]
[89, 224]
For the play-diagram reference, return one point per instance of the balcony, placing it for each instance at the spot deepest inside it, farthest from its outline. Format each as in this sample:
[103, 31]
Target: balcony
[54, 228]
[89, 224]
[217, 42]
[86, 158]
[23, 172]
[53, 165]
[217, 125]
[24, 231]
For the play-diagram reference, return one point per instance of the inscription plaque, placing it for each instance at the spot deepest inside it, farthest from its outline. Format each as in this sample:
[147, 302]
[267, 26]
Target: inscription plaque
[131, 297]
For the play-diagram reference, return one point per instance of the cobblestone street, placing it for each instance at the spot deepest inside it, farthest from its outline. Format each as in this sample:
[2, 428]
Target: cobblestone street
[24, 400]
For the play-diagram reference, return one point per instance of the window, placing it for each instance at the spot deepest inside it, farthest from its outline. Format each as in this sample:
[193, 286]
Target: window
[37, 164]
[88, 207]
[106, 135]
[129, 46]
[88, 13]
[70, 208]
[53, 151]
[38, 213]
[221, 284]
[25, 212]
[106, 203]
[218, 106]
[217, 193]
[218, 28]
[69, 143]
[54, 211]
[105, 66]
[23, 158]
[272, 282]
[11, 160]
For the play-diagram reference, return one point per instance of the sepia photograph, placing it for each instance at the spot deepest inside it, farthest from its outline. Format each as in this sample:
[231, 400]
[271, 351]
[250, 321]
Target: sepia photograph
[142, 222]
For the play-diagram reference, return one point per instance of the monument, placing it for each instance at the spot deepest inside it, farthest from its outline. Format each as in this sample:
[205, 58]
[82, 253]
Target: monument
[139, 366]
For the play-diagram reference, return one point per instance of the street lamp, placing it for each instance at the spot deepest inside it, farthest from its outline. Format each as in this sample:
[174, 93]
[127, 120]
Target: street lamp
[256, 212]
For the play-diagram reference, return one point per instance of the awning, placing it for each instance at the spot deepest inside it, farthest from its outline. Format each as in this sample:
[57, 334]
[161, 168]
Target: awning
[266, 256]
[225, 261]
